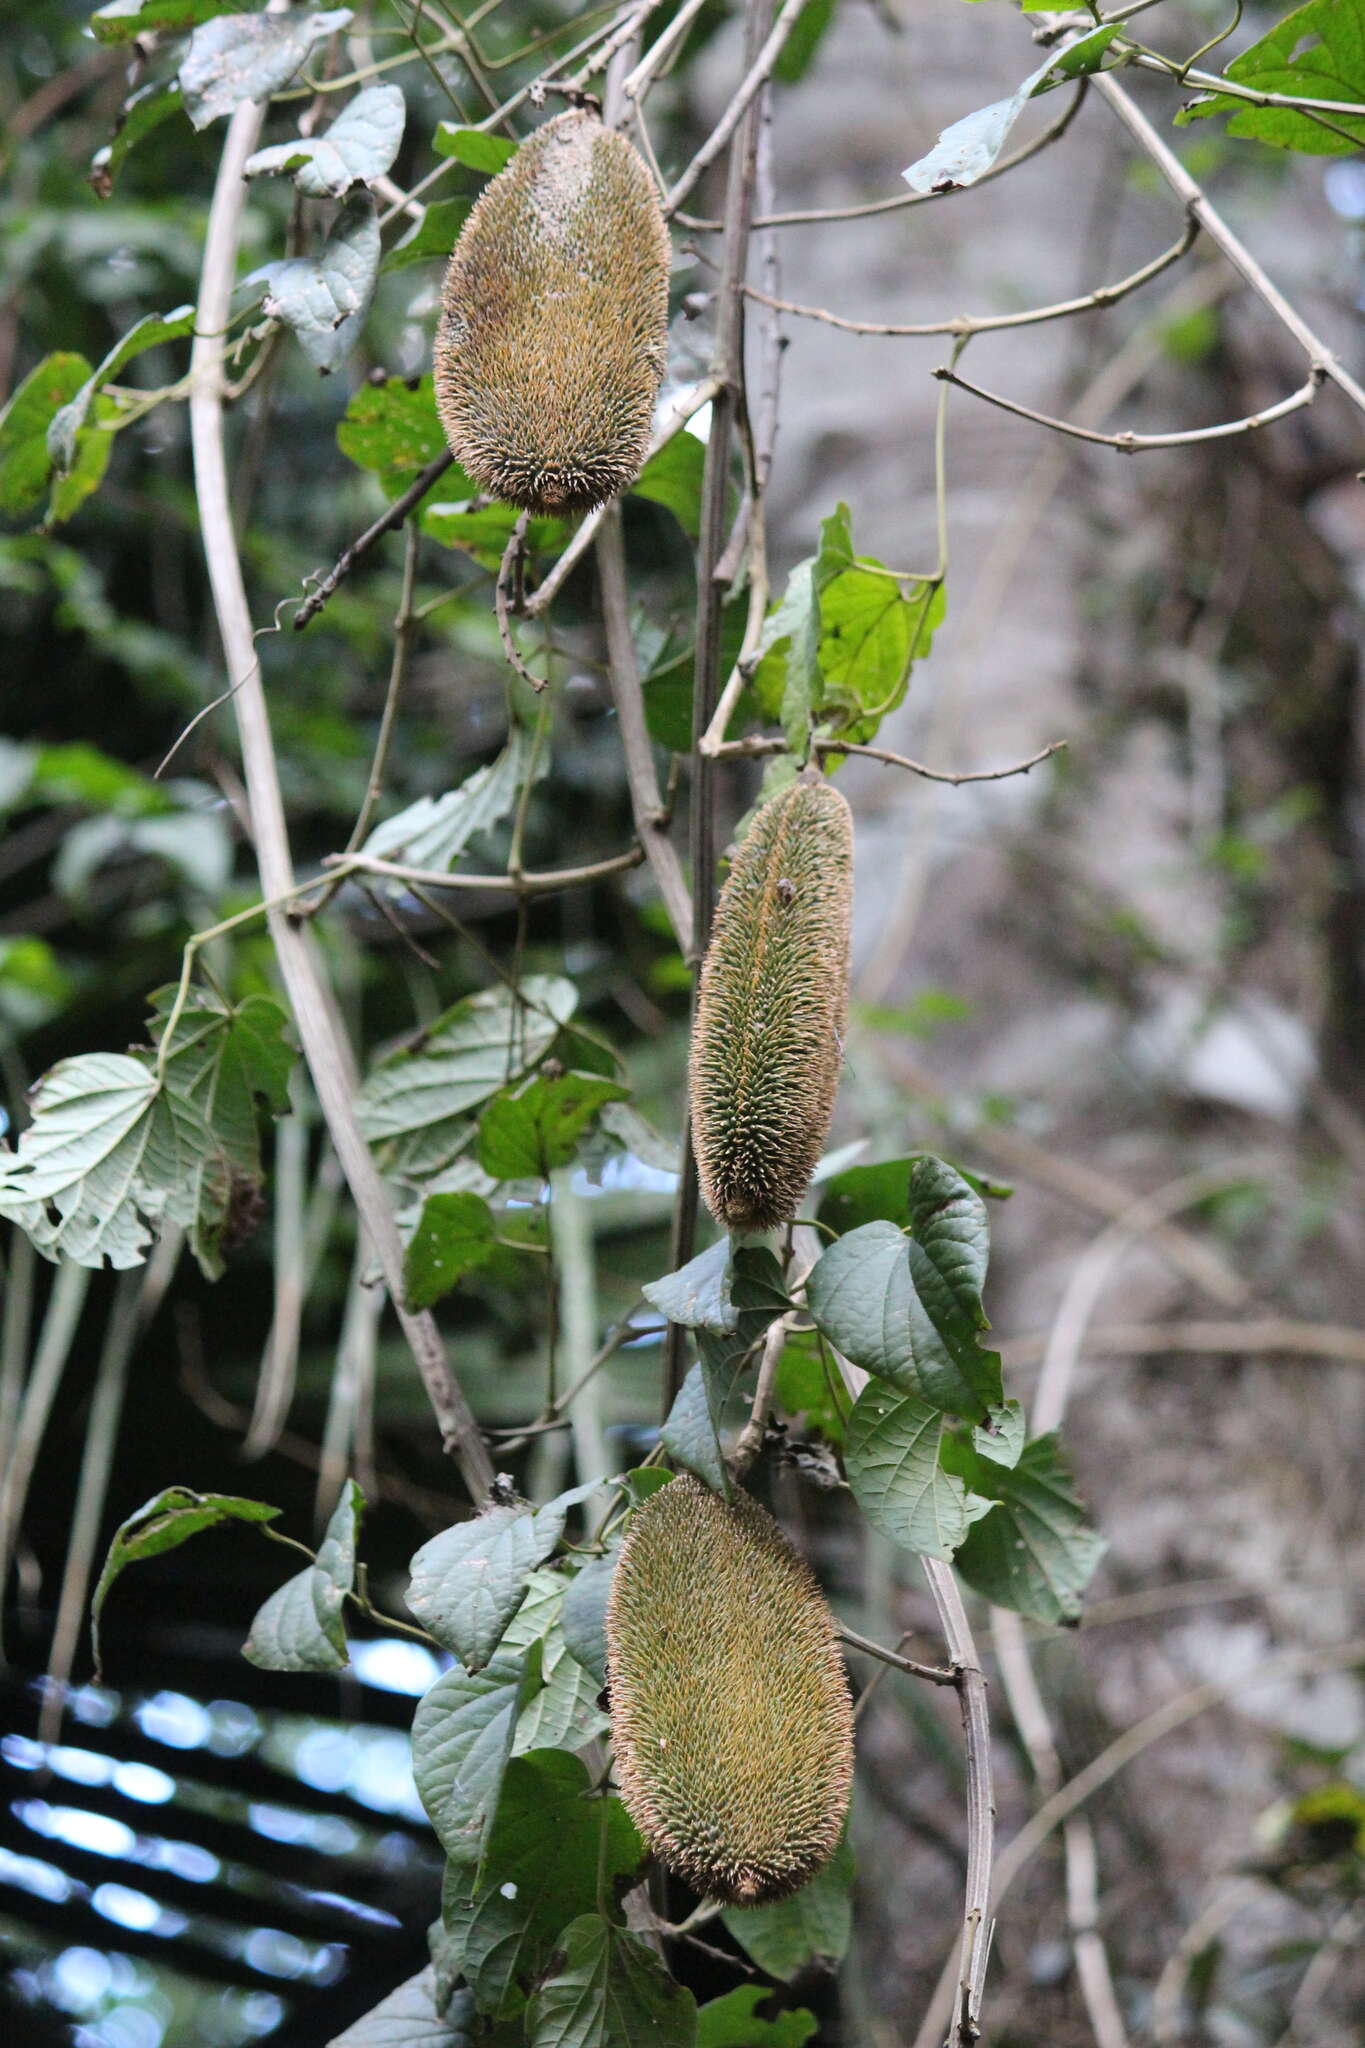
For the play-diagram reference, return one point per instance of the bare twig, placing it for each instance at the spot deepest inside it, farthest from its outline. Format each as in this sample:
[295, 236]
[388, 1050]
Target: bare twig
[828, 745]
[646, 801]
[727, 365]
[1163, 1721]
[936, 1674]
[1213, 224]
[1135, 444]
[508, 570]
[528, 883]
[324, 1044]
[986, 323]
[1275, 1336]
[758, 73]
[393, 516]
[963, 2020]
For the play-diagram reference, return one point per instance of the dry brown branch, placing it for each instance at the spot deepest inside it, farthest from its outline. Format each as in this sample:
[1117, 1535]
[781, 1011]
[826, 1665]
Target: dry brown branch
[968, 324]
[1137, 444]
[822, 747]
[1192, 196]
[646, 801]
[1272, 1336]
[757, 75]
[357, 550]
[529, 883]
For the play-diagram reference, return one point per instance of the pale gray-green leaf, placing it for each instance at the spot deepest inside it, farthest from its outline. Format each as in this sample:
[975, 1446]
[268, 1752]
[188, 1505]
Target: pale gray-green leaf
[359, 147]
[468, 1582]
[410, 2018]
[689, 1434]
[967, 149]
[468, 1054]
[325, 298]
[583, 1617]
[240, 57]
[434, 831]
[698, 1294]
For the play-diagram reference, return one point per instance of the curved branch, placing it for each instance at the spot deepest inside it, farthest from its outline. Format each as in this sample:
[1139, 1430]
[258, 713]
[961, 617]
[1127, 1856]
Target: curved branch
[1137, 444]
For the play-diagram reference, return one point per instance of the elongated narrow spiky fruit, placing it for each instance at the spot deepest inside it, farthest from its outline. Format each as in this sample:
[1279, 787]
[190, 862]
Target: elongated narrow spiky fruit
[771, 1009]
[731, 1720]
[554, 324]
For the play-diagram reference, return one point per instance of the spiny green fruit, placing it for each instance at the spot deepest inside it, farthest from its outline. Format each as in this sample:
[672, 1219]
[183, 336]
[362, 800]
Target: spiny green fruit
[554, 324]
[771, 1009]
[731, 1720]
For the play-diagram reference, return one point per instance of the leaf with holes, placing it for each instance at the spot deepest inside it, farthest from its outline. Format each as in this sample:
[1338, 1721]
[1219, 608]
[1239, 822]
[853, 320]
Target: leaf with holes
[525, 1133]
[455, 1234]
[300, 1628]
[359, 147]
[238, 57]
[392, 429]
[552, 1850]
[734, 2022]
[325, 298]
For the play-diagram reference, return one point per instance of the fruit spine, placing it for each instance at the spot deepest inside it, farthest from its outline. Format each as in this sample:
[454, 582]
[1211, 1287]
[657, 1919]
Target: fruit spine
[771, 1009]
[554, 326]
[732, 1725]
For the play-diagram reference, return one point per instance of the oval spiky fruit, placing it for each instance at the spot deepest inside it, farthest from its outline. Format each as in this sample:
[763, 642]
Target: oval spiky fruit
[771, 1009]
[731, 1719]
[554, 325]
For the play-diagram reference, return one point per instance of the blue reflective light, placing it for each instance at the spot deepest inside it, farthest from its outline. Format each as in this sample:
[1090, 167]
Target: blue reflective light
[176, 1720]
[42, 1880]
[391, 1665]
[134, 1910]
[144, 1783]
[93, 1831]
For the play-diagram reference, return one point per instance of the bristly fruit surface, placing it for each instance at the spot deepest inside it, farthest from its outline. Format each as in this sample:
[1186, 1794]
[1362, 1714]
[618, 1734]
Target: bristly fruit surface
[771, 1009]
[732, 1724]
[553, 332]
